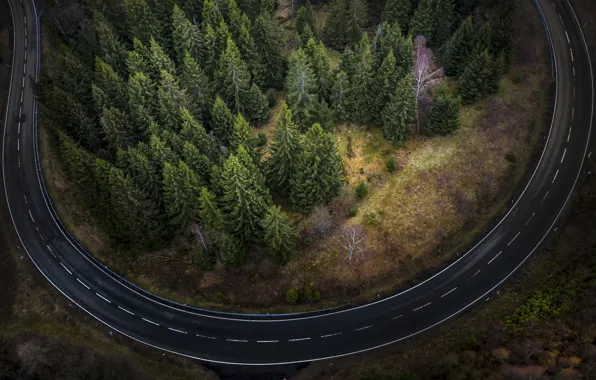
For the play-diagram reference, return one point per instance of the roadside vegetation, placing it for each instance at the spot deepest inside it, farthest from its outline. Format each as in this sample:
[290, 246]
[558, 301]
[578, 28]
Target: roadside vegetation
[206, 149]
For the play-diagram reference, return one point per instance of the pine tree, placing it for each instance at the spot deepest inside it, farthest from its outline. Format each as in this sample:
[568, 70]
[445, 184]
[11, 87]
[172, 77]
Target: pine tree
[138, 59]
[116, 128]
[234, 77]
[320, 65]
[197, 86]
[268, 38]
[181, 194]
[318, 170]
[348, 62]
[241, 132]
[356, 20]
[139, 168]
[211, 14]
[399, 113]
[391, 39]
[159, 60]
[422, 21]
[222, 34]
[163, 12]
[474, 82]
[242, 204]
[497, 69]
[235, 19]
[75, 77]
[458, 49]
[160, 153]
[209, 53]
[443, 19]
[111, 48]
[232, 250]
[250, 54]
[279, 234]
[305, 19]
[222, 120]
[110, 83]
[502, 33]
[141, 20]
[340, 95]
[384, 87]
[170, 98]
[397, 11]
[325, 116]
[185, 36]
[361, 100]
[301, 89]
[193, 131]
[198, 162]
[141, 103]
[444, 117]
[284, 149]
[257, 106]
[334, 31]
[482, 38]
[209, 211]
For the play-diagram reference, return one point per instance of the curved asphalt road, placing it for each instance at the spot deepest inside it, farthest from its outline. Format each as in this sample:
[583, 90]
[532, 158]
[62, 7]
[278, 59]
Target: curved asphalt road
[275, 340]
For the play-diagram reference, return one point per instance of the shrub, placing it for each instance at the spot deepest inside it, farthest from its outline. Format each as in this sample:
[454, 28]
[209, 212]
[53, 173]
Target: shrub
[320, 220]
[362, 190]
[260, 140]
[391, 164]
[353, 212]
[316, 296]
[219, 297]
[292, 296]
[518, 78]
[203, 261]
[308, 240]
[510, 157]
[308, 291]
[373, 219]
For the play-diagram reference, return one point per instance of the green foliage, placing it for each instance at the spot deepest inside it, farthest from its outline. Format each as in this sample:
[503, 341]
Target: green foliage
[301, 88]
[197, 85]
[397, 11]
[475, 82]
[285, 150]
[319, 60]
[279, 234]
[250, 54]
[443, 19]
[317, 178]
[422, 21]
[391, 39]
[292, 296]
[444, 117]
[111, 48]
[398, 114]
[203, 259]
[181, 194]
[170, 98]
[361, 190]
[305, 19]
[373, 219]
[159, 60]
[502, 33]
[352, 212]
[209, 212]
[222, 120]
[385, 82]
[257, 105]
[234, 77]
[391, 164]
[345, 23]
[361, 99]
[339, 97]
[268, 38]
[241, 132]
[111, 83]
[185, 35]
[116, 128]
[349, 148]
[141, 20]
[231, 250]
[458, 49]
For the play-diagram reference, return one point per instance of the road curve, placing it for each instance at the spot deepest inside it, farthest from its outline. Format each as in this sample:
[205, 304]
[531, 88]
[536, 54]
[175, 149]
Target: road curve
[266, 340]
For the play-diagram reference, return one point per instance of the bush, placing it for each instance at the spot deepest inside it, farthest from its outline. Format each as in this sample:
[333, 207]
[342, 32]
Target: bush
[219, 297]
[203, 261]
[308, 292]
[391, 164]
[362, 190]
[320, 221]
[518, 78]
[292, 296]
[308, 240]
[510, 157]
[316, 296]
[353, 212]
[259, 141]
[373, 219]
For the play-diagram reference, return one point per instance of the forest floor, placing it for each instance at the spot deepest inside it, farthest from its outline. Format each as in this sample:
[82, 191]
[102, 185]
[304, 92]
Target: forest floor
[445, 193]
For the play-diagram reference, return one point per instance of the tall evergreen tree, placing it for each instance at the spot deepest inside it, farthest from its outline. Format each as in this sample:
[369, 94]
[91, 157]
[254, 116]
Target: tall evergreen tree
[391, 39]
[301, 89]
[193, 131]
[268, 38]
[185, 36]
[235, 19]
[422, 21]
[241, 132]
[458, 49]
[141, 20]
[384, 88]
[502, 33]
[474, 82]
[234, 77]
[361, 101]
[209, 211]
[159, 60]
[334, 31]
[444, 117]
[257, 106]
[211, 14]
[250, 54]
[284, 150]
[317, 178]
[222, 120]
[399, 113]
[141, 103]
[197, 86]
[110, 83]
[482, 38]
[305, 19]
[181, 194]
[340, 95]
[443, 19]
[138, 60]
[117, 128]
[111, 48]
[197, 162]
[321, 66]
[170, 98]
[232, 250]
[279, 234]
[356, 20]
[139, 168]
[397, 11]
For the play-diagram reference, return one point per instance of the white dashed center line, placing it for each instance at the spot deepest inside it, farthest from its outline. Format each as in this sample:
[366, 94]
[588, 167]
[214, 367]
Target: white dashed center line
[51, 250]
[126, 311]
[543, 198]
[298, 339]
[85, 285]
[418, 308]
[103, 298]
[399, 316]
[452, 290]
[556, 174]
[178, 331]
[237, 340]
[65, 268]
[572, 112]
[329, 335]
[493, 259]
[474, 275]
[562, 158]
[207, 337]
[571, 51]
[267, 341]
[569, 134]
[31, 216]
[363, 328]
[567, 35]
[530, 218]
[515, 237]
[146, 320]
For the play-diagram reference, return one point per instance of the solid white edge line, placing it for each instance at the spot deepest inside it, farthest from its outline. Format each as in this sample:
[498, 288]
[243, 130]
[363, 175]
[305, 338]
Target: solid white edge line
[103, 298]
[153, 323]
[452, 290]
[66, 269]
[123, 309]
[515, 237]
[354, 352]
[298, 339]
[493, 259]
[85, 285]
[418, 308]
[178, 331]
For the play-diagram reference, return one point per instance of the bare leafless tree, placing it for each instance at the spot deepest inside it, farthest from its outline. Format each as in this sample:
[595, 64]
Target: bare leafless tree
[424, 77]
[353, 240]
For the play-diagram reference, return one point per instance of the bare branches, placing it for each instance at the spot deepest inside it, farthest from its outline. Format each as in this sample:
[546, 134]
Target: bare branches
[353, 241]
[424, 77]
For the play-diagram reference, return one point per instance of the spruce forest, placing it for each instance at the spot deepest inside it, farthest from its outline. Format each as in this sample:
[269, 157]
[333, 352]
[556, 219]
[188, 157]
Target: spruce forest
[155, 106]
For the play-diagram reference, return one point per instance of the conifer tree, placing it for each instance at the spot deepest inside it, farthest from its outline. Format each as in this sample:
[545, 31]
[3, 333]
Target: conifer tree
[197, 86]
[482, 38]
[181, 194]
[325, 116]
[250, 54]
[305, 19]
[116, 128]
[111, 48]
[197, 162]
[391, 39]
[502, 33]
[334, 31]
[257, 106]
[159, 60]
[241, 132]
[185, 36]
[163, 10]
[340, 94]
[234, 77]
[268, 38]
[422, 21]
[348, 62]
[159, 153]
[397, 11]
[193, 131]
[110, 83]
[209, 211]
[497, 70]
[222, 34]
[284, 150]
[318, 170]
[211, 14]
[141, 103]
[361, 101]
[170, 97]
[399, 113]
[235, 19]
[138, 60]
[209, 53]
[75, 77]
[443, 18]
[279, 234]
[320, 65]
[301, 89]
[139, 168]
[444, 117]
[384, 88]
[458, 49]
[356, 20]
[232, 250]
[474, 83]
[141, 20]
[222, 120]
[242, 203]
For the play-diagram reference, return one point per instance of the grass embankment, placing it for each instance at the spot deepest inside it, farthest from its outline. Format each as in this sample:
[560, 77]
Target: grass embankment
[445, 192]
